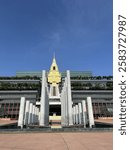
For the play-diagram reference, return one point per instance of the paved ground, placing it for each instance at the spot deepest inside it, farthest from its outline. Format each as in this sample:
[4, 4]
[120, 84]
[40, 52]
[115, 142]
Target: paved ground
[14, 121]
[6, 122]
[57, 141]
[104, 120]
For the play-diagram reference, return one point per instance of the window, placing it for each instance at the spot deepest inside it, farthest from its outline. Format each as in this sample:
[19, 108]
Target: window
[54, 68]
[54, 91]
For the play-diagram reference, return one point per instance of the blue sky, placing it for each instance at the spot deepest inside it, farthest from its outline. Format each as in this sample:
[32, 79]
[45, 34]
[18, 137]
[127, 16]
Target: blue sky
[78, 31]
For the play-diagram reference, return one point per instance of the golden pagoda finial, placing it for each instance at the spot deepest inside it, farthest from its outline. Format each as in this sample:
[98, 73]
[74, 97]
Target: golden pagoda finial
[54, 76]
[54, 59]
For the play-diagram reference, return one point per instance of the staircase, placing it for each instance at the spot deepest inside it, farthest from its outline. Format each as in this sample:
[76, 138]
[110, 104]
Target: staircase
[55, 121]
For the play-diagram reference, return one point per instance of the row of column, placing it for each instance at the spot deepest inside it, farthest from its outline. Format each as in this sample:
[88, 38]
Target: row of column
[28, 113]
[66, 102]
[83, 114]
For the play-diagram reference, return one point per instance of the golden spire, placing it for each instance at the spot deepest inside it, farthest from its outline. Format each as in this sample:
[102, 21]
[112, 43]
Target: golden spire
[54, 76]
[54, 55]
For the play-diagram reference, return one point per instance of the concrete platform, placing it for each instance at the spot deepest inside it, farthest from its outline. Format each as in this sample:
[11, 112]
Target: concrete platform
[57, 141]
[108, 121]
[7, 122]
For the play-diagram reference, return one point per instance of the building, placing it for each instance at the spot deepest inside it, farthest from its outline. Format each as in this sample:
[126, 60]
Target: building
[83, 84]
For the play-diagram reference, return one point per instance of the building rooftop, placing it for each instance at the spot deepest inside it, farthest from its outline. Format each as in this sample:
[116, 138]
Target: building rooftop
[63, 74]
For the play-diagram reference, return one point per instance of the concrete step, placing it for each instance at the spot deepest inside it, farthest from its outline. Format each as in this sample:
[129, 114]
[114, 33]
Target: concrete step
[54, 117]
[55, 122]
[56, 126]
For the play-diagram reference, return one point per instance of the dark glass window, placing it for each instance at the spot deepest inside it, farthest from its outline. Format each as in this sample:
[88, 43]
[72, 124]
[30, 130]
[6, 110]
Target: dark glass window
[54, 91]
[54, 68]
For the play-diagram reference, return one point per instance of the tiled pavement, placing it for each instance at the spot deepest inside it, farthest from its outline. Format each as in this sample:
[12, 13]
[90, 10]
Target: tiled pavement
[57, 141]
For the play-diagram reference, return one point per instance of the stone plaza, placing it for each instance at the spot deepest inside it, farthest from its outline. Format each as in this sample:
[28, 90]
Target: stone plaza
[57, 141]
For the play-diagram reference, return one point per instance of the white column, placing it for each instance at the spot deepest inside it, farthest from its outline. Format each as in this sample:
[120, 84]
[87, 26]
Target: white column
[74, 115]
[33, 114]
[26, 113]
[46, 105]
[69, 98]
[77, 114]
[36, 115]
[39, 116]
[44, 110]
[90, 112]
[57, 90]
[84, 113]
[21, 112]
[30, 114]
[66, 103]
[80, 113]
[62, 108]
[51, 90]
